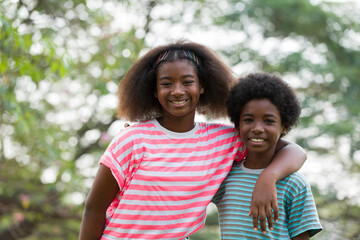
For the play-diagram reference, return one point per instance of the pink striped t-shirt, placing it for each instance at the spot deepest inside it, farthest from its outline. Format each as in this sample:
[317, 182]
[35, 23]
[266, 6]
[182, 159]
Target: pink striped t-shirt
[167, 179]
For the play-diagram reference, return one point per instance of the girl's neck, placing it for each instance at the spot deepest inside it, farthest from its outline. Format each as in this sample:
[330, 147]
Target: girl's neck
[256, 160]
[177, 124]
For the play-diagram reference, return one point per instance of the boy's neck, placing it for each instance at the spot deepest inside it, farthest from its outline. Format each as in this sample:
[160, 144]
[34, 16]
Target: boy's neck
[256, 160]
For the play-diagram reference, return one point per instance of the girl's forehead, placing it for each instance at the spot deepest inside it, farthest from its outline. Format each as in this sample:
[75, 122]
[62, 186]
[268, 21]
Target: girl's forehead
[183, 64]
[176, 55]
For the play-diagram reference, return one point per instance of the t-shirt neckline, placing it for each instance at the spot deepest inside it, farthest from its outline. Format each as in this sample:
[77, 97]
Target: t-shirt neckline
[249, 170]
[177, 134]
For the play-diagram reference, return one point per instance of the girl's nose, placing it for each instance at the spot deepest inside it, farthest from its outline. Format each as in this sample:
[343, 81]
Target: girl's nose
[177, 89]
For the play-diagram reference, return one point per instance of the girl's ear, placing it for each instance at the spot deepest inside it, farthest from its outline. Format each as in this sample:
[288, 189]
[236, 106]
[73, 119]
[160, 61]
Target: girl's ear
[284, 131]
[202, 90]
[155, 92]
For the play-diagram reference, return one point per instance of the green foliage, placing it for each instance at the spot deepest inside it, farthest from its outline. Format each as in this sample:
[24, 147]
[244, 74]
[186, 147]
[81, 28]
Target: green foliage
[60, 61]
[211, 230]
[206, 233]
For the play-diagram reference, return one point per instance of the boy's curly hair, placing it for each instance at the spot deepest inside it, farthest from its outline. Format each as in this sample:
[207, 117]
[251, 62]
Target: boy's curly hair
[137, 87]
[264, 86]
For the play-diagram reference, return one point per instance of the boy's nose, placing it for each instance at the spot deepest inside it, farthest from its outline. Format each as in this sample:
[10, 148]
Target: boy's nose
[258, 127]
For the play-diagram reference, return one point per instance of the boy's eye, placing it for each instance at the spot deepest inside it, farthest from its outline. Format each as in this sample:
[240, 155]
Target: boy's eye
[247, 120]
[269, 121]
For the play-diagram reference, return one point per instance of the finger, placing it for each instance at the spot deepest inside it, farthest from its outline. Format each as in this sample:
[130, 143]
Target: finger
[276, 210]
[269, 217]
[251, 211]
[126, 125]
[255, 214]
[262, 218]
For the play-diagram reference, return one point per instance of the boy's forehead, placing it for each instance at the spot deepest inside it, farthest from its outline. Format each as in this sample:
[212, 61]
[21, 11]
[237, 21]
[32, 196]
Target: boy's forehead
[260, 106]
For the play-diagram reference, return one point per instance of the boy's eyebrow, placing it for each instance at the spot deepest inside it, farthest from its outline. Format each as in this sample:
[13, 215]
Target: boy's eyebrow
[270, 115]
[249, 114]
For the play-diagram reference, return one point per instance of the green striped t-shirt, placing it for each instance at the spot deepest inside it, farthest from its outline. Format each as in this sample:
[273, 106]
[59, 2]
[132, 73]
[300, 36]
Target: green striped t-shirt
[297, 210]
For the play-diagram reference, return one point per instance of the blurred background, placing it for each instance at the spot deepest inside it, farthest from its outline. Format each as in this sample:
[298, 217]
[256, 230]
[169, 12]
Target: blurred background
[61, 62]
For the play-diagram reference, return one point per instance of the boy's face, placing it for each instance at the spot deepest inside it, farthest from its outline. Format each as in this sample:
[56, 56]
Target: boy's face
[260, 125]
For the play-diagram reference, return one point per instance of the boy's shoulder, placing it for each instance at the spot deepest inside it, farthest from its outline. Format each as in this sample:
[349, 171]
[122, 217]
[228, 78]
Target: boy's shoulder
[297, 176]
[296, 179]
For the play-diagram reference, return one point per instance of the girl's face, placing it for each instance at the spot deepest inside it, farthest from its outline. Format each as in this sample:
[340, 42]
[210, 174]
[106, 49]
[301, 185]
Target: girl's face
[260, 126]
[178, 90]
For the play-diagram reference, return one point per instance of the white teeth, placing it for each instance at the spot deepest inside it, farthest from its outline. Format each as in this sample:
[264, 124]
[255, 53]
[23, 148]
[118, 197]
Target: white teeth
[256, 140]
[178, 102]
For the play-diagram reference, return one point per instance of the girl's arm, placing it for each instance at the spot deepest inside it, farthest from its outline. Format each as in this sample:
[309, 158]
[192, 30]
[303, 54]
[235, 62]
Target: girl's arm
[101, 195]
[289, 158]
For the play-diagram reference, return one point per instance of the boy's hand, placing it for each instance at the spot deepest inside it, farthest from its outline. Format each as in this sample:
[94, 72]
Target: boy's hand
[263, 201]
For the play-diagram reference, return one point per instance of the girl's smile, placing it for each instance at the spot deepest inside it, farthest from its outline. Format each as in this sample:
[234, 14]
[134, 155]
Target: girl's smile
[178, 91]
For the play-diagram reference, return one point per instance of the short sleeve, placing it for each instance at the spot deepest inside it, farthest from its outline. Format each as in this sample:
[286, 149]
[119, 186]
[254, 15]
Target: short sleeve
[119, 158]
[242, 152]
[303, 215]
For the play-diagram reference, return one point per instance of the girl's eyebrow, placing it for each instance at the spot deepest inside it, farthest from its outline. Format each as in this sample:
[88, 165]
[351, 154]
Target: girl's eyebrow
[164, 78]
[188, 75]
[183, 76]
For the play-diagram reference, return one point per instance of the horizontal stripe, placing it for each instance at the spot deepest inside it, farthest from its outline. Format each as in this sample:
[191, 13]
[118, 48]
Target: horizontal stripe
[166, 179]
[297, 210]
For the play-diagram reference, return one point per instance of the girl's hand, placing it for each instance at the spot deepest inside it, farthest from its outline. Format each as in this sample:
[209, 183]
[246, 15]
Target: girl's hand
[288, 159]
[263, 202]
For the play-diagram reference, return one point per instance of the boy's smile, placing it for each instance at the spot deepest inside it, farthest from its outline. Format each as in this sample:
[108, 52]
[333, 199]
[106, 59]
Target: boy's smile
[260, 127]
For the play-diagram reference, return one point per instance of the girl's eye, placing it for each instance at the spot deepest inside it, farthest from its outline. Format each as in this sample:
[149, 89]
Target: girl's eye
[188, 82]
[165, 84]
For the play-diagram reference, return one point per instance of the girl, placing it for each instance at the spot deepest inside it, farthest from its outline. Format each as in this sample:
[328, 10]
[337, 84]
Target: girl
[157, 177]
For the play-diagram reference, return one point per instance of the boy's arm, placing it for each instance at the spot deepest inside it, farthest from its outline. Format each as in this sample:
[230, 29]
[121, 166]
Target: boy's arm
[302, 236]
[101, 194]
[289, 158]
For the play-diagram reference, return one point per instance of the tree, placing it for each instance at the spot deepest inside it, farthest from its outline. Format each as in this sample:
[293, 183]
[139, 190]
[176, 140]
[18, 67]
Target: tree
[323, 66]
[62, 60]
[52, 97]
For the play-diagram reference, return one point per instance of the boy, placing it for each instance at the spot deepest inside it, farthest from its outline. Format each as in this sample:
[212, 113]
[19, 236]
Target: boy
[263, 109]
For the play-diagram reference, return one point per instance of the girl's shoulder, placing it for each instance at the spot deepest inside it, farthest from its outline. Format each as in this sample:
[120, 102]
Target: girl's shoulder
[215, 125]
[217, 129]
[135, 129]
